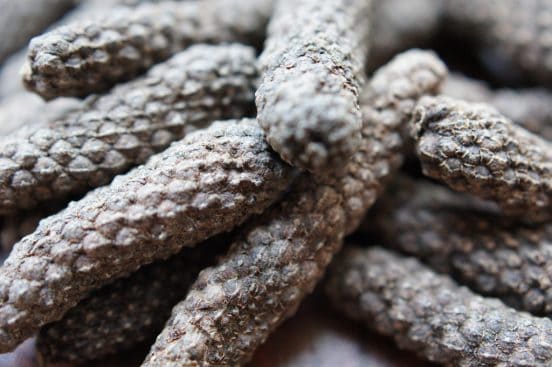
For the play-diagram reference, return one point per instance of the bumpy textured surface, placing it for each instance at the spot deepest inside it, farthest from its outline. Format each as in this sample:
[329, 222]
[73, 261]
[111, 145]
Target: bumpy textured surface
[111, 133]
[232, 307]
[530, 108]
[10, 76]
[130, 311]
[312, 71]
[20, 20]
[402, 24]
[473, 148]
[91, 56]
[433, 316]
[514, 31]
[279, 257]
[493, 255]
[387, 105]
[208, 183]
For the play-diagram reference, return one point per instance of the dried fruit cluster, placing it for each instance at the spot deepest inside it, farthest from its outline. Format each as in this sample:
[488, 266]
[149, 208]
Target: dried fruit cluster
[203, 222]
[431, 315]
[52, 159]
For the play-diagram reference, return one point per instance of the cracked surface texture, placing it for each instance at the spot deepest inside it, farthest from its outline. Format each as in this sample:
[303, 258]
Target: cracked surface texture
[52, 159]
[492, 254]
[208, 183]
[87, 57]
[433, 316]
[279, 257]
[473, 148]
[312, 71]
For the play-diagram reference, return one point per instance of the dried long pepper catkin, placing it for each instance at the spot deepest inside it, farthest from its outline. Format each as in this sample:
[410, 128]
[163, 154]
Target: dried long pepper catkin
[279, 257]
[517, 32]
[208, 183]
[109, 134]
[473, 148]
[492, 254]
[530, 108]
[21, 20]
[10, 76]
[312, 71]
[433, 316]
[90, 56]
[127, 312]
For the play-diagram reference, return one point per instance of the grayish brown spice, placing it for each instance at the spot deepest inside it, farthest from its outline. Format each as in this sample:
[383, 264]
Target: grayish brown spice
[494, 255]
[473, 148]
[433, 316]
[53, 159]
[127, 312]
[312, 71]
[279, 257]
[208, 183]
[530, 108]
[90, 56]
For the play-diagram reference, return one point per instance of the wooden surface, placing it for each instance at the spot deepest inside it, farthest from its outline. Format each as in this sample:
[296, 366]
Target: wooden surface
[315, 337]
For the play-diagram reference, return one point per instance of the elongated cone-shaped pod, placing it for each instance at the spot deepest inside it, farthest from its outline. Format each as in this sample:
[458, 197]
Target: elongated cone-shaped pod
[90, 56]
[473, 148]
[312, 72]
[530, 108]
[52, 159]
[279, 257]
[457, 235]
[127, 312]
[433, 316]
[206, 184]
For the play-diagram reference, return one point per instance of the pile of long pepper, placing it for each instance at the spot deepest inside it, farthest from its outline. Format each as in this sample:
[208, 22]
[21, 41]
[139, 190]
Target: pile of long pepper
[185, 173]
